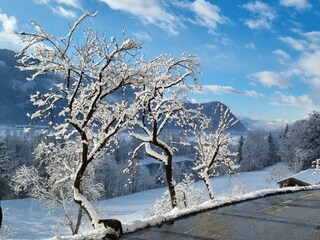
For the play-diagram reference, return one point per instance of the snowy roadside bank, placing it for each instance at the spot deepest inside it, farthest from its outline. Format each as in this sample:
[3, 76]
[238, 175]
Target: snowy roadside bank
[28, 220]
[210, 205]
[182, 213]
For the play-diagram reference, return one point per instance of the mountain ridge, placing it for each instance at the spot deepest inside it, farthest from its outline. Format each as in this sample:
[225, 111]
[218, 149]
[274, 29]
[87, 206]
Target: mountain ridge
[214, 109]
[15, 92]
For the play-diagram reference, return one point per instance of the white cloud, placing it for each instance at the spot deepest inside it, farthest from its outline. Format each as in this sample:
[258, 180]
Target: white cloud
[314, 84]
[212, 47]
[155, 12]
[298, 45]
[61, 11]
[304, 66]
[258, 23]
[142, 36]
[262, 15]
[308, 49]
[297, 4]
[270, 79]
[217, 89]
[309, 63]
[283, 57]
[207, 14]
[226, 41]
[251, 45]
[312, 36]
[150, 12]
[282, 54]
[8, 35]
[313, 40]
[9, 24]
[303, 102]
[71, 3]
[42, 1]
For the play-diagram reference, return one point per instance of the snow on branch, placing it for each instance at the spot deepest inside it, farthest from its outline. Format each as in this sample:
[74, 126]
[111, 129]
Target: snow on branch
[155, 155]
[213, 149]
[86, 72]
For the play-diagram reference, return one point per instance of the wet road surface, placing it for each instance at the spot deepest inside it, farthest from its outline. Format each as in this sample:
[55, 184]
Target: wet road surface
[294, 216]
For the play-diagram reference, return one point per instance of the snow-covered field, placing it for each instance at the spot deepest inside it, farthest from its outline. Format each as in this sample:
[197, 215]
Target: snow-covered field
[24, 219]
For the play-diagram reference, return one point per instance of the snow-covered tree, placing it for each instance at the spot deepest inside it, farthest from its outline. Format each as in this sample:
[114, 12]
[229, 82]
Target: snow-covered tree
[108, 173]
[137, 176]
[3, 159]
[83, 102]
[159, 177]
[312, 135]
[316, 164]
[4, 170]
[51, 181]
[20, 148]
[301, 156]
[188, 195]
[292, 146]
[272, 152]
[279, 172]
[180, 170]
[92, 69]
[255, 151]
[213, 150]
[16, 149]
[161, 103]
[299, 143]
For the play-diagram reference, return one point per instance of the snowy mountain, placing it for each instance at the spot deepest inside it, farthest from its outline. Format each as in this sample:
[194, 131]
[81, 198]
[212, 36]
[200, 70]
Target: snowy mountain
[15, 92]
[210, 110]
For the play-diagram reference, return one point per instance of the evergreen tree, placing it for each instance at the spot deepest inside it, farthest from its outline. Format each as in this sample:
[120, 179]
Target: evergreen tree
[272, 155]
[312, 132]
[4, 174]
[254, 152]
[159, 177]
[286, 130]
[240, 147]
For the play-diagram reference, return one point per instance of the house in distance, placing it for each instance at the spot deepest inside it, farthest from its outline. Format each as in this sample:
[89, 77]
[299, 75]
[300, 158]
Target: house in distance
[305, 178]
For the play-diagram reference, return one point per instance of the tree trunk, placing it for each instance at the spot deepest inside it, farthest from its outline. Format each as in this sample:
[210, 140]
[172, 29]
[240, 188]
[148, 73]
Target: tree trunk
[78, 222]
[81, 200]
[172, 192]
[168, 168]
[206, 180]
[74, 229]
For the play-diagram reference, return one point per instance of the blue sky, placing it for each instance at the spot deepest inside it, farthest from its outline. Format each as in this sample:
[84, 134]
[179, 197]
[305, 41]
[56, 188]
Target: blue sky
[261, 58]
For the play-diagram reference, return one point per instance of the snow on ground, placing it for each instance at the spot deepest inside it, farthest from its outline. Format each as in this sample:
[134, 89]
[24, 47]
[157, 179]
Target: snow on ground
[25, 219]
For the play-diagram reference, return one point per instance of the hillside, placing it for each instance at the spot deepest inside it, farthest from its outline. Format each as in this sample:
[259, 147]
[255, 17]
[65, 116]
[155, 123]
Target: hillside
[15, 90]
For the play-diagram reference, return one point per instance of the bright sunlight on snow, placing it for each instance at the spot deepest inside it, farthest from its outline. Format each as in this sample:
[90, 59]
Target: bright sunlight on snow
[25, 219]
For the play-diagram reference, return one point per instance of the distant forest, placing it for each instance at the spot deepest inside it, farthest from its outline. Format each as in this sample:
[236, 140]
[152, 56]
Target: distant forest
[297, 145]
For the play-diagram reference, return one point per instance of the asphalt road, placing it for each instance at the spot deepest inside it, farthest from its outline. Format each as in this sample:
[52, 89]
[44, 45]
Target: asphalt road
[294, 216]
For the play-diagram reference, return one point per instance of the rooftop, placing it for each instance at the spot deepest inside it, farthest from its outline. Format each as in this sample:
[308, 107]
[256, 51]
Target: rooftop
[310, 176]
